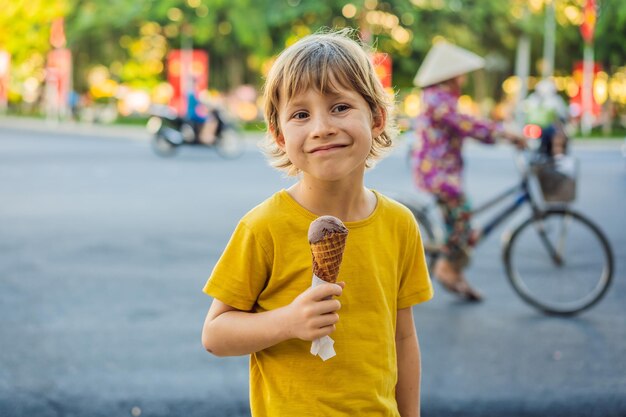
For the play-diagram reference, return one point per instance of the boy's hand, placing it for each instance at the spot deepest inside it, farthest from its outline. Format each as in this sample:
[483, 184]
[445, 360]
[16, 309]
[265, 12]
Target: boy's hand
[312, 314]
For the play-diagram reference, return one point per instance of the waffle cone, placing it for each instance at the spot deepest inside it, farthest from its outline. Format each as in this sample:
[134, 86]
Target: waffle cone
[327, 255]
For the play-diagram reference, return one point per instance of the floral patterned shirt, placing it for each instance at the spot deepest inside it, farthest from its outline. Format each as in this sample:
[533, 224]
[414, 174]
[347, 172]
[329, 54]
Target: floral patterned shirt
[437, 155]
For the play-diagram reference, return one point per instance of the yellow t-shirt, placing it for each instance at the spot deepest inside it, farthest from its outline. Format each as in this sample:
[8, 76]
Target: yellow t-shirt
[267, 263]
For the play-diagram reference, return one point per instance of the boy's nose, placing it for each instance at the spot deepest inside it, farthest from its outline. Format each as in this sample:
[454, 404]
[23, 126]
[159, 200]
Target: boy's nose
[322, 127]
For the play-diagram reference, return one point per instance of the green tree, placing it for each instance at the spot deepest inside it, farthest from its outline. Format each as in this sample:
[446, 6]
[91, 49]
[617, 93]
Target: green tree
[131, 38]
[25, 35]
[95, 29]
[610, 47]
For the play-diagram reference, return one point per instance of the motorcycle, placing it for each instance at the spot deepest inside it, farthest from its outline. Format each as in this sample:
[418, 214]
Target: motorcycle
[171, 131]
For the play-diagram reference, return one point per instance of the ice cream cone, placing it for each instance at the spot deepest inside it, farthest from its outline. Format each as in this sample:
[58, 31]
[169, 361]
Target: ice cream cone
[327, 237]
[327, 256]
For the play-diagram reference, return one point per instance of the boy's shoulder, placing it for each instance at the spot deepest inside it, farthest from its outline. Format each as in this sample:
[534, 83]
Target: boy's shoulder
[265, 211]
[276, 212]
[394, 209]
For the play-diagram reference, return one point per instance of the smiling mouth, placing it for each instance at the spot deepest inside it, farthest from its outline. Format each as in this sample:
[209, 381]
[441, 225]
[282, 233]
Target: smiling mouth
[327, 148]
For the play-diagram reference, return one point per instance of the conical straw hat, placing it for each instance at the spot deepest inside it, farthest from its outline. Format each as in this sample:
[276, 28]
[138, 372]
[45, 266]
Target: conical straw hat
[445, 61]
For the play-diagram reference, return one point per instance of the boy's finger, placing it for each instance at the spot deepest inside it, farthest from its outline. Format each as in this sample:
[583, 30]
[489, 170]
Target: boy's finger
[327, 306]
[326, 290]
[324, 320]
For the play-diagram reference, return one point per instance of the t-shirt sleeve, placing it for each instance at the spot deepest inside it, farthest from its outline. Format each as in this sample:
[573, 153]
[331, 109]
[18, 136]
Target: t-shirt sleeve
[241, 272]
[415, 285]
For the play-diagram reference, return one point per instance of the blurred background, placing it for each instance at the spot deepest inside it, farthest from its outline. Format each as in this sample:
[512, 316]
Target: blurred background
[109, 61]
[105, 246]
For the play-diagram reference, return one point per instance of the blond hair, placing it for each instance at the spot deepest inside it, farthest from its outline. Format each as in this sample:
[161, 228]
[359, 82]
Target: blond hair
[321, 61]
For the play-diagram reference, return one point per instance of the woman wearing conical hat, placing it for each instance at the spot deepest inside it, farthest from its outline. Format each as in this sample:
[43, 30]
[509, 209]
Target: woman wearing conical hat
[437, 156]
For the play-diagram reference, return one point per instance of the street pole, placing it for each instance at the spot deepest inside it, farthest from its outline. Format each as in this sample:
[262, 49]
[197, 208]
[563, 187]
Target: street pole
[587, 93]
[549, 39]
[186, 80]
[587, 29]
[522, 69]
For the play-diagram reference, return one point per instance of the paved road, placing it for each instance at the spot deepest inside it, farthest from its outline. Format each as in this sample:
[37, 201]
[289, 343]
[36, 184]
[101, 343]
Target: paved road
[105, 248]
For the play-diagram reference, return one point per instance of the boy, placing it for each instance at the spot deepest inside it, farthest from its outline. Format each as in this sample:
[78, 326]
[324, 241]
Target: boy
[327, 116]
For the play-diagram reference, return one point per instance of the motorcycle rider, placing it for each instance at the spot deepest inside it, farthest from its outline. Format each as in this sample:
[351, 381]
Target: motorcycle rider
[547, 109]
[204, 115]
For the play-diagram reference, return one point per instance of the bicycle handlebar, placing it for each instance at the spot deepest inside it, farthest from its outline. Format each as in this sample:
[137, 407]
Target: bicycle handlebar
[522, 159]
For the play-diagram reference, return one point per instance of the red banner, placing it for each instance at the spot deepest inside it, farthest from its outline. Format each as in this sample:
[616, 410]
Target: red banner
[577, 100]
[5, 67]
[59, 76]
[588, 26]
[57, 33]
[186, 70]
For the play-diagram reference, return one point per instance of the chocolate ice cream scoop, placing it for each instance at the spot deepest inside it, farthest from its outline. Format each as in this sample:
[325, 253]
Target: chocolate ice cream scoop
[323, 226]
[327, 237]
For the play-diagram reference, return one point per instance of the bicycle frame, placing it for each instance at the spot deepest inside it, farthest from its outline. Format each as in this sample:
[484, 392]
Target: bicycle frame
[523, 196]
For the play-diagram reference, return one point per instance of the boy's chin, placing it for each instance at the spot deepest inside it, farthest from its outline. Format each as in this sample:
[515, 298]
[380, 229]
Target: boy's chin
[333, 175]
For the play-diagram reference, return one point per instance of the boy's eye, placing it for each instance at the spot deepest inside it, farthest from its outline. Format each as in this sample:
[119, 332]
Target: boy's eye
[300, 115]
[341, 107]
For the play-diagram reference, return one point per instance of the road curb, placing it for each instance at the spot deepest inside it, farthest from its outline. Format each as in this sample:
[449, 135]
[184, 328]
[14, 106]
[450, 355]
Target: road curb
[91, 129]
[130, 132]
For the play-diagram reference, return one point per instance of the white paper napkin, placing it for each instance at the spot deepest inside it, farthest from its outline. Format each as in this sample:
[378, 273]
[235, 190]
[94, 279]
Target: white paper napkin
[322, 347]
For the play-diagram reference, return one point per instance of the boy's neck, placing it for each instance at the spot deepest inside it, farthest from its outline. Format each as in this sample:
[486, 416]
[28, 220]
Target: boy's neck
[345, 201]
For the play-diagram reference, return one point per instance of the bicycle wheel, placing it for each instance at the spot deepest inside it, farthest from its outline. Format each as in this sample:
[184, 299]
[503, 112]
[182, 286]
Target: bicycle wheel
[426, 232]
[559, 262]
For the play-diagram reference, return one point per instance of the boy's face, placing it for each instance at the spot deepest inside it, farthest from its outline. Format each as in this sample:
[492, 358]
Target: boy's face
[328, 136]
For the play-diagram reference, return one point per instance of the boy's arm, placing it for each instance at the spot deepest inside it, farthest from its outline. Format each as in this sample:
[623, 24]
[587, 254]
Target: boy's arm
[409, 368]
[228, 331]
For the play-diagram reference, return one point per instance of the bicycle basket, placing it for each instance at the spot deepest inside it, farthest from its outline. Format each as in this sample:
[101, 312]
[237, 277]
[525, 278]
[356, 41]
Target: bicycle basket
[557, 178]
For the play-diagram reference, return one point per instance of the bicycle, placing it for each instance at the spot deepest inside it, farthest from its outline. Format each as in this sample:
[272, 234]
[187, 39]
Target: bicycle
[557, 259]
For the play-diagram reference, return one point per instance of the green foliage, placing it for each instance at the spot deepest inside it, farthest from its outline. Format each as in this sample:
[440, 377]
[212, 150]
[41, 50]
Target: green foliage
[240, 35]
[25, 33]
[610, 47]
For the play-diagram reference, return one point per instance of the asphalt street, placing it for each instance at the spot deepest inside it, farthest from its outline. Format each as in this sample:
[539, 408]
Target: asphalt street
[105, 249]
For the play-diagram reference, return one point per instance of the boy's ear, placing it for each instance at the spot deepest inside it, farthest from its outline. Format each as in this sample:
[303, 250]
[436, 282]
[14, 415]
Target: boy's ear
[379, 121]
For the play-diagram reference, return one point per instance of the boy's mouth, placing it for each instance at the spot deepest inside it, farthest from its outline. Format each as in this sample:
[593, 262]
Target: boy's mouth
[327, 147]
